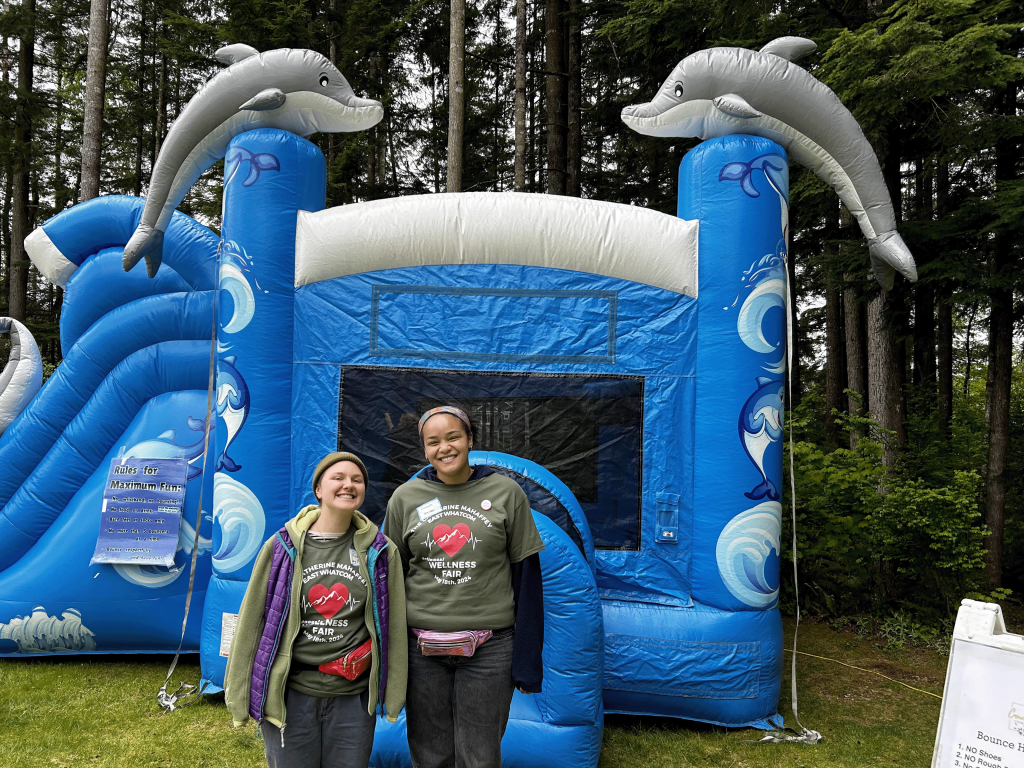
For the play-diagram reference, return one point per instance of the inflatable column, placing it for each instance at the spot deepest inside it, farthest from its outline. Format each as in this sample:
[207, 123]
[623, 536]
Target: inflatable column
[269, 176]
[738, 188]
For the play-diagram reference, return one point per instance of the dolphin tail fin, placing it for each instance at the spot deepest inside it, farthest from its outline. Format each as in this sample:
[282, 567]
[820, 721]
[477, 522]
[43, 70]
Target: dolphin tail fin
[147, 242]
[764, 488]
[227, 464]
[889, 255]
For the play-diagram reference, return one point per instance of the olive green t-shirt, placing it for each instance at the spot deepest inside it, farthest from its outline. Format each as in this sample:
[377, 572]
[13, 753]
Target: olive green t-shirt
[458, 543]
[334, 596]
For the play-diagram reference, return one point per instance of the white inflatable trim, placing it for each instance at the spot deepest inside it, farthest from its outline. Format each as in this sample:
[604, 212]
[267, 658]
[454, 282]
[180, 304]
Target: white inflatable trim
[600, 238]
[22, 377]
[51, 263]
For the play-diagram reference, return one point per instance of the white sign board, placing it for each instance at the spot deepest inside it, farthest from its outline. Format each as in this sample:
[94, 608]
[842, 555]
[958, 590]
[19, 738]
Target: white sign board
[982, 720]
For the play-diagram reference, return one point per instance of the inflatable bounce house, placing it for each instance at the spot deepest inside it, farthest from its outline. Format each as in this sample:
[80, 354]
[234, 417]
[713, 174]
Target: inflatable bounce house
[624, 366]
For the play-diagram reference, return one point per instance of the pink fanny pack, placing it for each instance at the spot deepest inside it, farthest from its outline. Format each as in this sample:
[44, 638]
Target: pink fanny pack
[462, 643]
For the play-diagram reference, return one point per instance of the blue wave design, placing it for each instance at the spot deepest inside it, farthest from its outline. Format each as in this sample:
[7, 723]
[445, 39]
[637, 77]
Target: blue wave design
[766, 281]
[234, 281]
[239, 518]
[748, 553]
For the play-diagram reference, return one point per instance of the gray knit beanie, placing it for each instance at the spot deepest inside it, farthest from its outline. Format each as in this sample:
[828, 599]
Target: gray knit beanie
[331, 459]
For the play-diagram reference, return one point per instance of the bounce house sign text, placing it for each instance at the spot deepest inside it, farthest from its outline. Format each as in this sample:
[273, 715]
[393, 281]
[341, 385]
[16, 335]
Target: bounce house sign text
[141, 511]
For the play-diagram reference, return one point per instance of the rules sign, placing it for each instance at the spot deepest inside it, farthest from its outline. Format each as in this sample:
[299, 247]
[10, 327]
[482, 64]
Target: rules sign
[982, 720]
[142, 504]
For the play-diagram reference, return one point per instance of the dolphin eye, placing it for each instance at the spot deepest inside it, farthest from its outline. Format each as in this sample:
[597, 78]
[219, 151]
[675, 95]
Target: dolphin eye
[679, 90]
[324, 81]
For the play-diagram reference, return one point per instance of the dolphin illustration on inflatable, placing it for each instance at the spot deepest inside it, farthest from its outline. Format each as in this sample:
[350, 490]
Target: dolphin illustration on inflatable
[760, 429]
[232, 406]
[22, 377]
[295, 90]
[722, 91]
[165, 446]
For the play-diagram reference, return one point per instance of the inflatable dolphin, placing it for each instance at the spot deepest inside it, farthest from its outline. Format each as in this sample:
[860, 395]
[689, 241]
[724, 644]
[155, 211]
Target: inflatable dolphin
[22, 377]
[722, 91]
[292, 89]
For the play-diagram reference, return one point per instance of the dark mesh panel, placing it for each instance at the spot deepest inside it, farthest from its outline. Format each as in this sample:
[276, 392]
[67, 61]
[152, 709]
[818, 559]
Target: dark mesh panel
[585, 429]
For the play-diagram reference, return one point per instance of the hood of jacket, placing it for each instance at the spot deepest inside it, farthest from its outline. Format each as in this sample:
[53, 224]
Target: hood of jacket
[298, 526]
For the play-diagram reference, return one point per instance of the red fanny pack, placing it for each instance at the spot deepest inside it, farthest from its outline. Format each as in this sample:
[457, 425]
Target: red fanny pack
[352, 664]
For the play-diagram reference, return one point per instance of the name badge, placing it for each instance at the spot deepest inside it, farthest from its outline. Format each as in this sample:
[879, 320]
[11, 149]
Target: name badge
[353, 557]
[428, 510]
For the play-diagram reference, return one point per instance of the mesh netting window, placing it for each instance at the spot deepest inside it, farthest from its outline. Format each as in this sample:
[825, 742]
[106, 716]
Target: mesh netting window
[587, 430]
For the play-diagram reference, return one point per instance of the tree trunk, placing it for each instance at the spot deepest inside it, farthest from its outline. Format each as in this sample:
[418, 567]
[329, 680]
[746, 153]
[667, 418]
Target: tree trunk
[456, 93]
[20, 226]
[161, 102]
[574, 136]
[95, 84]
[884, 384]
[557, 107]
[854, 325]
[795, 387]
[332, 145]
[520, 162]
[141, 121]
[969, 348]
[532, 171]
[924, 299]
[835, 358]
[886, 358]
[834, 378]
[373, 136]
[1000, 357]
[944, 326]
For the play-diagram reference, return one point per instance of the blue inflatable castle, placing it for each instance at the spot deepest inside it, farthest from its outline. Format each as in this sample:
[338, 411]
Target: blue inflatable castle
[623, 365]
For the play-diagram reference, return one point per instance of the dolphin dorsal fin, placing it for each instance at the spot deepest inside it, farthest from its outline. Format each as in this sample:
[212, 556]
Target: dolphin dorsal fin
[167, 435]
[232, 54]
[271, 98]
[735, 105]
[790, 48]
[762, 380]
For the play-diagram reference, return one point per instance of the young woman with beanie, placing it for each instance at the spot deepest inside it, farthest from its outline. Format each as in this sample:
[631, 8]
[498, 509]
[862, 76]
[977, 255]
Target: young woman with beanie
[321, 639]
[475, 599]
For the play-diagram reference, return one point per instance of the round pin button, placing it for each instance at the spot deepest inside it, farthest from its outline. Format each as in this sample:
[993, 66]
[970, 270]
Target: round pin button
[485, 504]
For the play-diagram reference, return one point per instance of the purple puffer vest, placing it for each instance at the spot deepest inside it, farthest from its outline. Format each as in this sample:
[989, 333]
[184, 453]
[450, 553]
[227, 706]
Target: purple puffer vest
[279, 592]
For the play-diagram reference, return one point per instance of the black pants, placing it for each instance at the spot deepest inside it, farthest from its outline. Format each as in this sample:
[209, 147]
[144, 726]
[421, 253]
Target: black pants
[331, 732]
[456, 707]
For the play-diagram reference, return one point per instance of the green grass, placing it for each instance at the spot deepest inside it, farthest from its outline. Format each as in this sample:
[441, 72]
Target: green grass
[103, 712]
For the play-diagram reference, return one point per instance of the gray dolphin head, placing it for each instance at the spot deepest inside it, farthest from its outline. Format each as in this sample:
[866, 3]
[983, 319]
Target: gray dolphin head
[292, 89]
[723, 91]
[321, 98]
[689, 81]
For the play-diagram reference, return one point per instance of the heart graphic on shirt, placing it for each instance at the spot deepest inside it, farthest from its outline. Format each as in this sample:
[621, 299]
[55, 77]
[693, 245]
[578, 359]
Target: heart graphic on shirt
[451, 540]
[328, 601]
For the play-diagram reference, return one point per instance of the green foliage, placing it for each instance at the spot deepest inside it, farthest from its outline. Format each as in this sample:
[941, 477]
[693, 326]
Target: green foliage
[930, 537]
[875, 541]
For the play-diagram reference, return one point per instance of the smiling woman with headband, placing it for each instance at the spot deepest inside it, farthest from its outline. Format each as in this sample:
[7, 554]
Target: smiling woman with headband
[475, 599]
[321, 637]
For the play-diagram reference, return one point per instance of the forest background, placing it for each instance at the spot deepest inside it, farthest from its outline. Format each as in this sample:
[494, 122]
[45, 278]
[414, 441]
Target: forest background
[907, 405]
